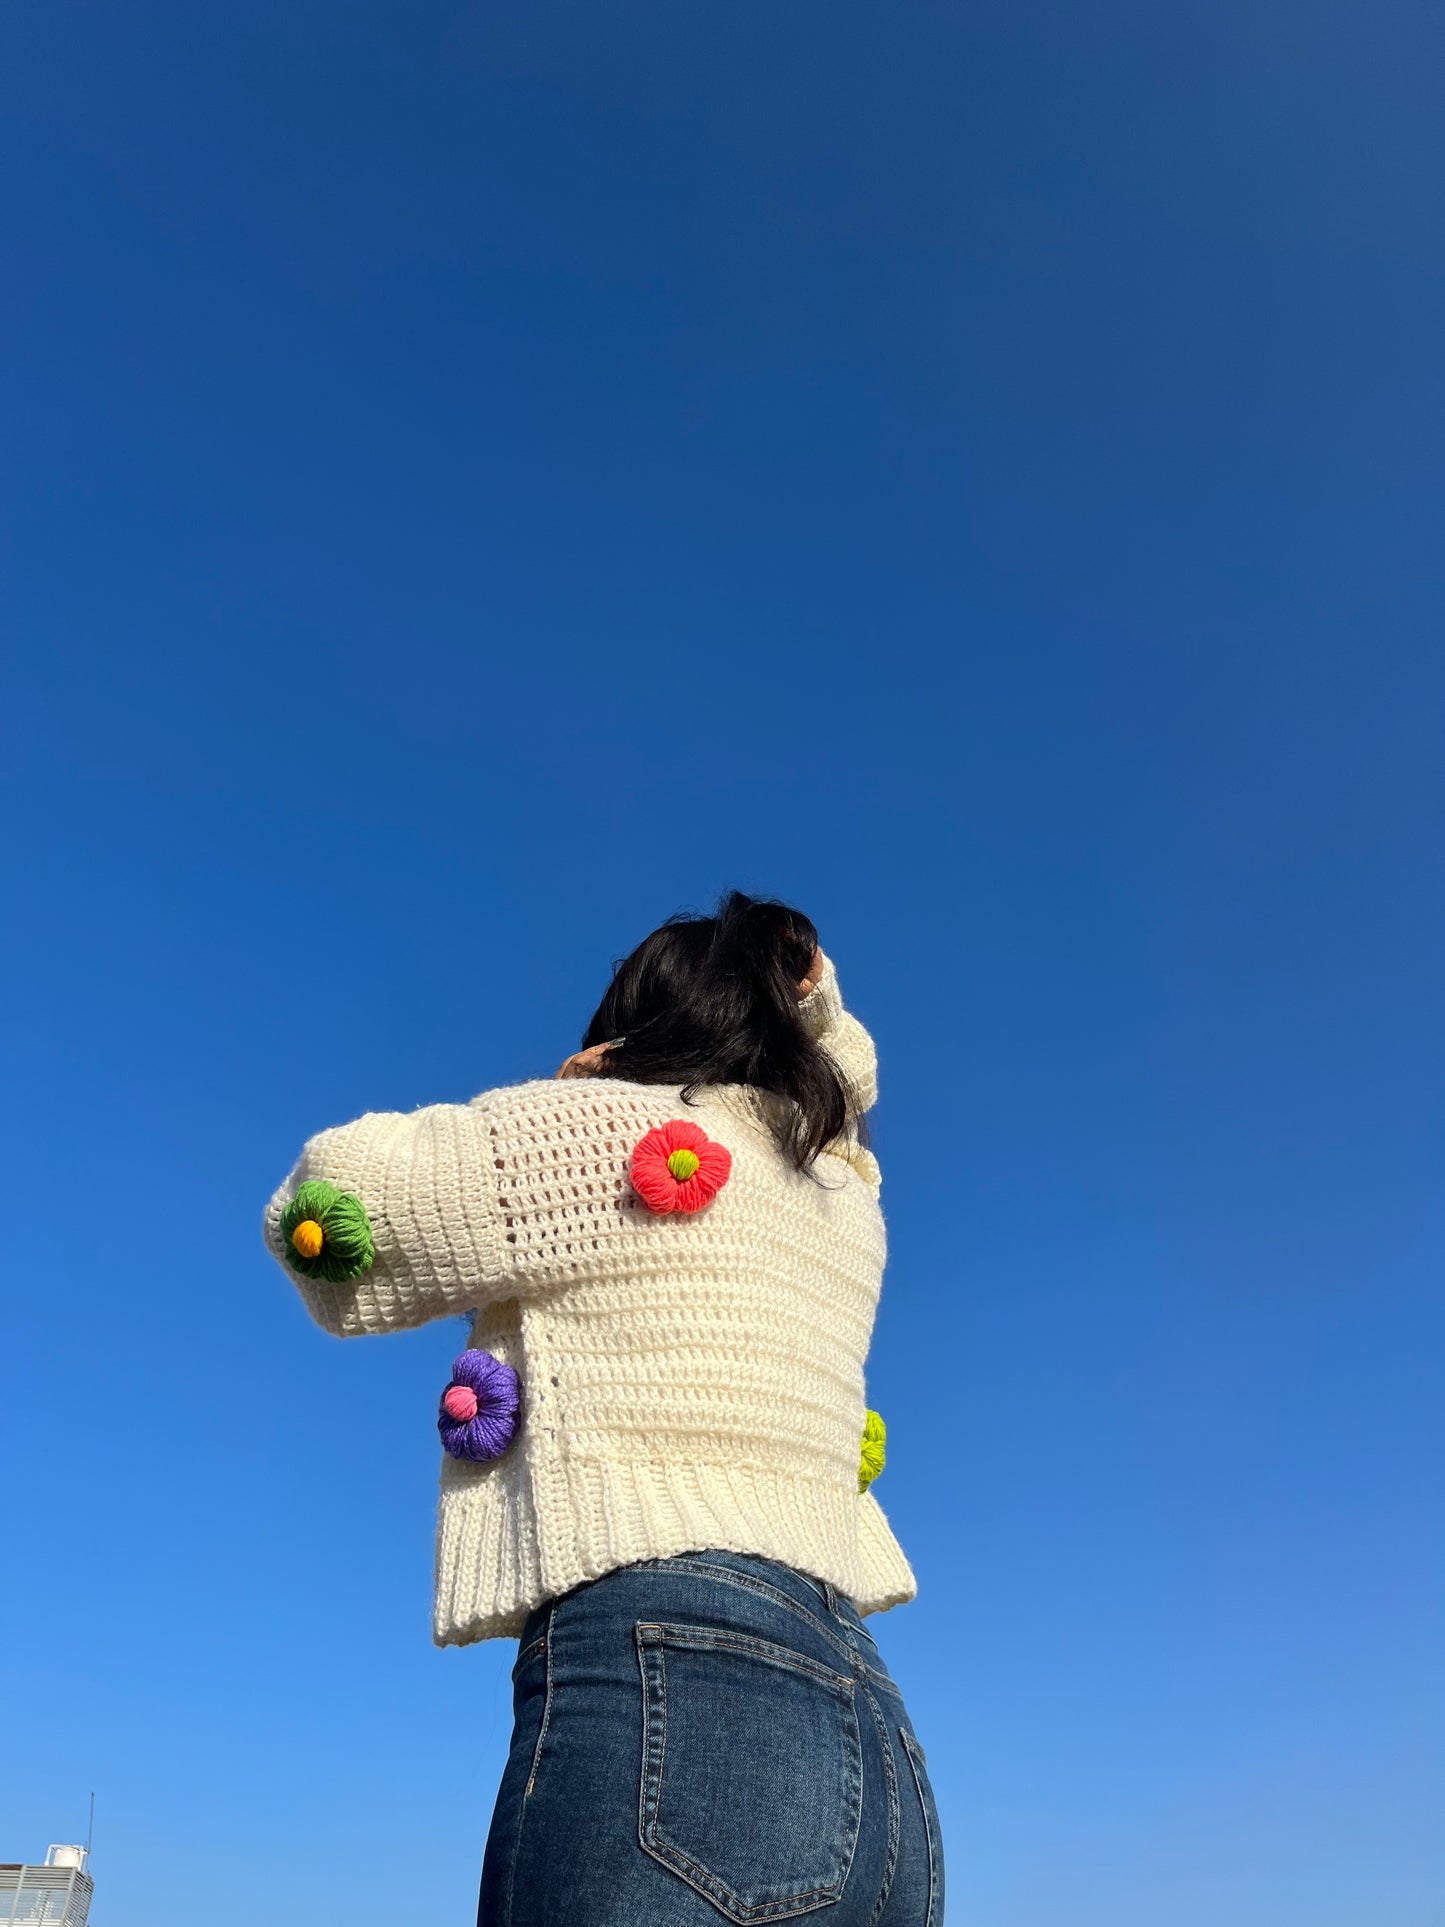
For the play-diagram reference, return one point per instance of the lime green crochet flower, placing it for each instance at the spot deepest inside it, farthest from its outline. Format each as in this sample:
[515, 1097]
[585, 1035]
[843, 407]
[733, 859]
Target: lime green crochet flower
[327, 1233]
[870, 1459]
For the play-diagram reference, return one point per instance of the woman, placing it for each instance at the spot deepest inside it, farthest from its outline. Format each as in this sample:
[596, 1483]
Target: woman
[653, 1477]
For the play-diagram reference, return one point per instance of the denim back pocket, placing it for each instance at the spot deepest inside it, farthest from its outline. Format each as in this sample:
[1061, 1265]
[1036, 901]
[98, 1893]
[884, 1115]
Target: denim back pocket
[752, 1772]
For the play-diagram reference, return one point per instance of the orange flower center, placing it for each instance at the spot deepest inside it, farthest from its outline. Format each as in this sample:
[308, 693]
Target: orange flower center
[683, 1164]
[307, 1238]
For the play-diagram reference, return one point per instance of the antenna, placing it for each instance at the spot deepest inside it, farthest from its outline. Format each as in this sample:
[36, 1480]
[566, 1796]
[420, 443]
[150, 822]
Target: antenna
[91, 1834]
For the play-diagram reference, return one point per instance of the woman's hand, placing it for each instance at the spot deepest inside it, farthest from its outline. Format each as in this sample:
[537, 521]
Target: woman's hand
[584, 1063]
[814, 977]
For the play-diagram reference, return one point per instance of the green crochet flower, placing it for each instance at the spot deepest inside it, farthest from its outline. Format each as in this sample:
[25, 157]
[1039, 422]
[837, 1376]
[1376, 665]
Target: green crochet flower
[870, 1459]
[327, 1233]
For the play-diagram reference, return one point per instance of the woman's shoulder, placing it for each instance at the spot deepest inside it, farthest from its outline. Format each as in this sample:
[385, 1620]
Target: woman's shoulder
[600, 1122]
[585, 1104]
[583, 1122]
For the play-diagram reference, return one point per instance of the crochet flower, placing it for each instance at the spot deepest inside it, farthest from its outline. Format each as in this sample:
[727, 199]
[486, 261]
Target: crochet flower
[677, 1167]
[327, 1233]
[873, 1453]
[480, 1408]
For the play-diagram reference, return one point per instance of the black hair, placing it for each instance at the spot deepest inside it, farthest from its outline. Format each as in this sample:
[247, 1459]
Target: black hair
[714, 1000]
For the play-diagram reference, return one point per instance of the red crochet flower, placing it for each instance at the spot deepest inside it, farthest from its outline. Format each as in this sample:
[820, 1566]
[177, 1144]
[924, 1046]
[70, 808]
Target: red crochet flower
[677, 1167]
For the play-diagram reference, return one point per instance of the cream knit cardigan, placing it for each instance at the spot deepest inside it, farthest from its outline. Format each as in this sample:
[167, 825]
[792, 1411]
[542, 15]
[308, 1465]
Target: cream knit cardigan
[687, 1381]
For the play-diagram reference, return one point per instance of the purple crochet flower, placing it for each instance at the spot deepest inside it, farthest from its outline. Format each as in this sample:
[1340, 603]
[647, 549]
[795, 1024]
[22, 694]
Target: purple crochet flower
[480, 1408]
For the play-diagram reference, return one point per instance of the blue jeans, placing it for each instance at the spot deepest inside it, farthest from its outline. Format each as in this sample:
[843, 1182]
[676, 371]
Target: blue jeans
[703, 1739]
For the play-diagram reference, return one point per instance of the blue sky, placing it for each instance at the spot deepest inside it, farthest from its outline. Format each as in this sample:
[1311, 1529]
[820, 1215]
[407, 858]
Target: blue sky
[477, 479]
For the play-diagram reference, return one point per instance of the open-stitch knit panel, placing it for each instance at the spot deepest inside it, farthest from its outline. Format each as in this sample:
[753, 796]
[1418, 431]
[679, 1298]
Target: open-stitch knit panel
[687, 1380]
[736, 1338]
[565, 1204]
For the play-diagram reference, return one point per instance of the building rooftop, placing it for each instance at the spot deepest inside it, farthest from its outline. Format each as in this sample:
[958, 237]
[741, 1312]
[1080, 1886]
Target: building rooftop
[55, 1893]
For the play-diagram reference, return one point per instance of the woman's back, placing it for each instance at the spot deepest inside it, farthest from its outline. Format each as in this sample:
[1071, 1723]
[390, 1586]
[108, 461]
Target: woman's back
[688, 1378]
[654, 1477]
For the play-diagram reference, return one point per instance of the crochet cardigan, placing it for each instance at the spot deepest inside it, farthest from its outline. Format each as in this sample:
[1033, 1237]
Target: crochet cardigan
[687, 1380]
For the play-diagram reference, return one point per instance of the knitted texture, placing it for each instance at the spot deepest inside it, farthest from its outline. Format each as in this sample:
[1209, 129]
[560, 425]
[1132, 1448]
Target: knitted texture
[687, 1379]
[679, 1168]
[326, 1233]
[479, 1409]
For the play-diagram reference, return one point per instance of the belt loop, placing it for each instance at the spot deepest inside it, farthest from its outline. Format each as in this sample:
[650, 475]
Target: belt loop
[831, 1596]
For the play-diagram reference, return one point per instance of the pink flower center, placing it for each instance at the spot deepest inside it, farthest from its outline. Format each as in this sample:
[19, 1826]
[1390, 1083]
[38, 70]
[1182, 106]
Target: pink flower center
[460, 1403]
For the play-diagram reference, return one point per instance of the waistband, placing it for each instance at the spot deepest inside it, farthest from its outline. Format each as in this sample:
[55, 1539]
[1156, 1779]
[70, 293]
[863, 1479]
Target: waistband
[832, 1612]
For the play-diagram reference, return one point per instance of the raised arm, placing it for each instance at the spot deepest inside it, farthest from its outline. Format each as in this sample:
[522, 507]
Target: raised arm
[460, 1203]
[843, 1037]
[420, 1181]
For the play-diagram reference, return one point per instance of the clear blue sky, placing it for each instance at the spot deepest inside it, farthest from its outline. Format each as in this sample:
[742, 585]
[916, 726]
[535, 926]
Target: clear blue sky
[478, 478]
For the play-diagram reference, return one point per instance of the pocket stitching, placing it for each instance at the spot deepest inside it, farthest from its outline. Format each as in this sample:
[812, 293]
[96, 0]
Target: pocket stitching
[916, 1758]
[707, 1884]
[745, 1582]
[890, 1780]
[706, 1639]
[548, 1644]
[529, 1653]
[726, 1576]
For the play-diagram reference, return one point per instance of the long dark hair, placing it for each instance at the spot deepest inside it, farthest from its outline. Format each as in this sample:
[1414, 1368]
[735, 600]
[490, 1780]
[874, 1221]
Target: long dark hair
[714, 1000]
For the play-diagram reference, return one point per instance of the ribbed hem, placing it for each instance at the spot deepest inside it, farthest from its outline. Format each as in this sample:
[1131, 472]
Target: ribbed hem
[493, 1568]
[488, 1574]
[888, 1577]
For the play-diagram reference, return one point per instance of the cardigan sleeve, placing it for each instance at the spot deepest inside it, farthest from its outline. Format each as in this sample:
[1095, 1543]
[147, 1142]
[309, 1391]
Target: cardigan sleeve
[522, 1190]
[843, 1037]
[437, 1242]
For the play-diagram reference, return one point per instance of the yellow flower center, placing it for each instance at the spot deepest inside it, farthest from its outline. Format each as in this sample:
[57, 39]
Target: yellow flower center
[308, 1238]
[683, 1164]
